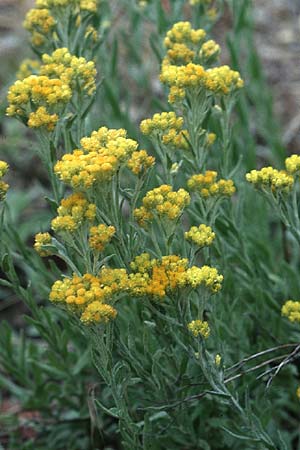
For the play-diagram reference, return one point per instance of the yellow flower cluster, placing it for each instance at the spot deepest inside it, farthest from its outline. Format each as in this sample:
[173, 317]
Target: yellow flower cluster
[100, 236]
[41, 118]
[168, 127]
[3, 168]
[291, 310]
[72, 212]
[210, 49]
[193, 77]
[40, 98]
[207, 185]
[205, 275]
[183, 33]
[102, 155]
[182, 72]
[85, 296]
[292, 164]
[42, 239]
[223, 80]
[161, 123]
[39, 20]
[3, 186]
[70, 69]
[162, 202]
[28, 67]
[84, 5]
[140, 162]
[47, 95]
[270, 178]
[199, 328]
[160, 277]
[97, 312]
[201, 236]
[298, 393]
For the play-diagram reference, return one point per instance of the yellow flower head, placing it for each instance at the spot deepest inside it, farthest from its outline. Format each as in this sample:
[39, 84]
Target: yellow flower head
[291, 310]
[207, 185]
[97, 312]
[41, 118]
[168, 128]
[78, 292]
[3, 168]
[205, 275]
[71, 70]
[41, 93]
[72, 212]
[199, 328]
[3, 186]
[42, 239]
[156, 278]
[115, 279]
[39, 20]
[102, 155]
[82, 5]
[100, 236]
[160, 123]
[162, 203]
[140, 162]
[223, 80]
[292, 164]
[201, 236]
[183, 33]
[209, 51]
[272, 179]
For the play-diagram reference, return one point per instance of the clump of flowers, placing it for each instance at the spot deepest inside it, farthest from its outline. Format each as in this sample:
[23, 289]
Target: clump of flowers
[291, 310]
[207, 185]
[167, 128]
[201, 236]
[101, 156]
[3, 186]
[160, 277]
[47, 96]
[209, 51]
[163, 203]
[140, 162]
[100, 236]
[42, 240]
[72, 212]
[272, 179]
[86, 296]
[205, 275]
[41, 118]
[40, 23]
[182, 72]
[83, 5]
[73, 71]
[43, 90]
[292, 164]
[199, 328]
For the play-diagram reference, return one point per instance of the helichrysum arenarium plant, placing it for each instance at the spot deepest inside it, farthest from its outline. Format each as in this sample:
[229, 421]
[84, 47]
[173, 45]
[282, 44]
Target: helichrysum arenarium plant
[147, 262]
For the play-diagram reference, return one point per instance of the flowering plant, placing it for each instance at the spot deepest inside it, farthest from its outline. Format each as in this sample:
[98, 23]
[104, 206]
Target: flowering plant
[133, 282]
